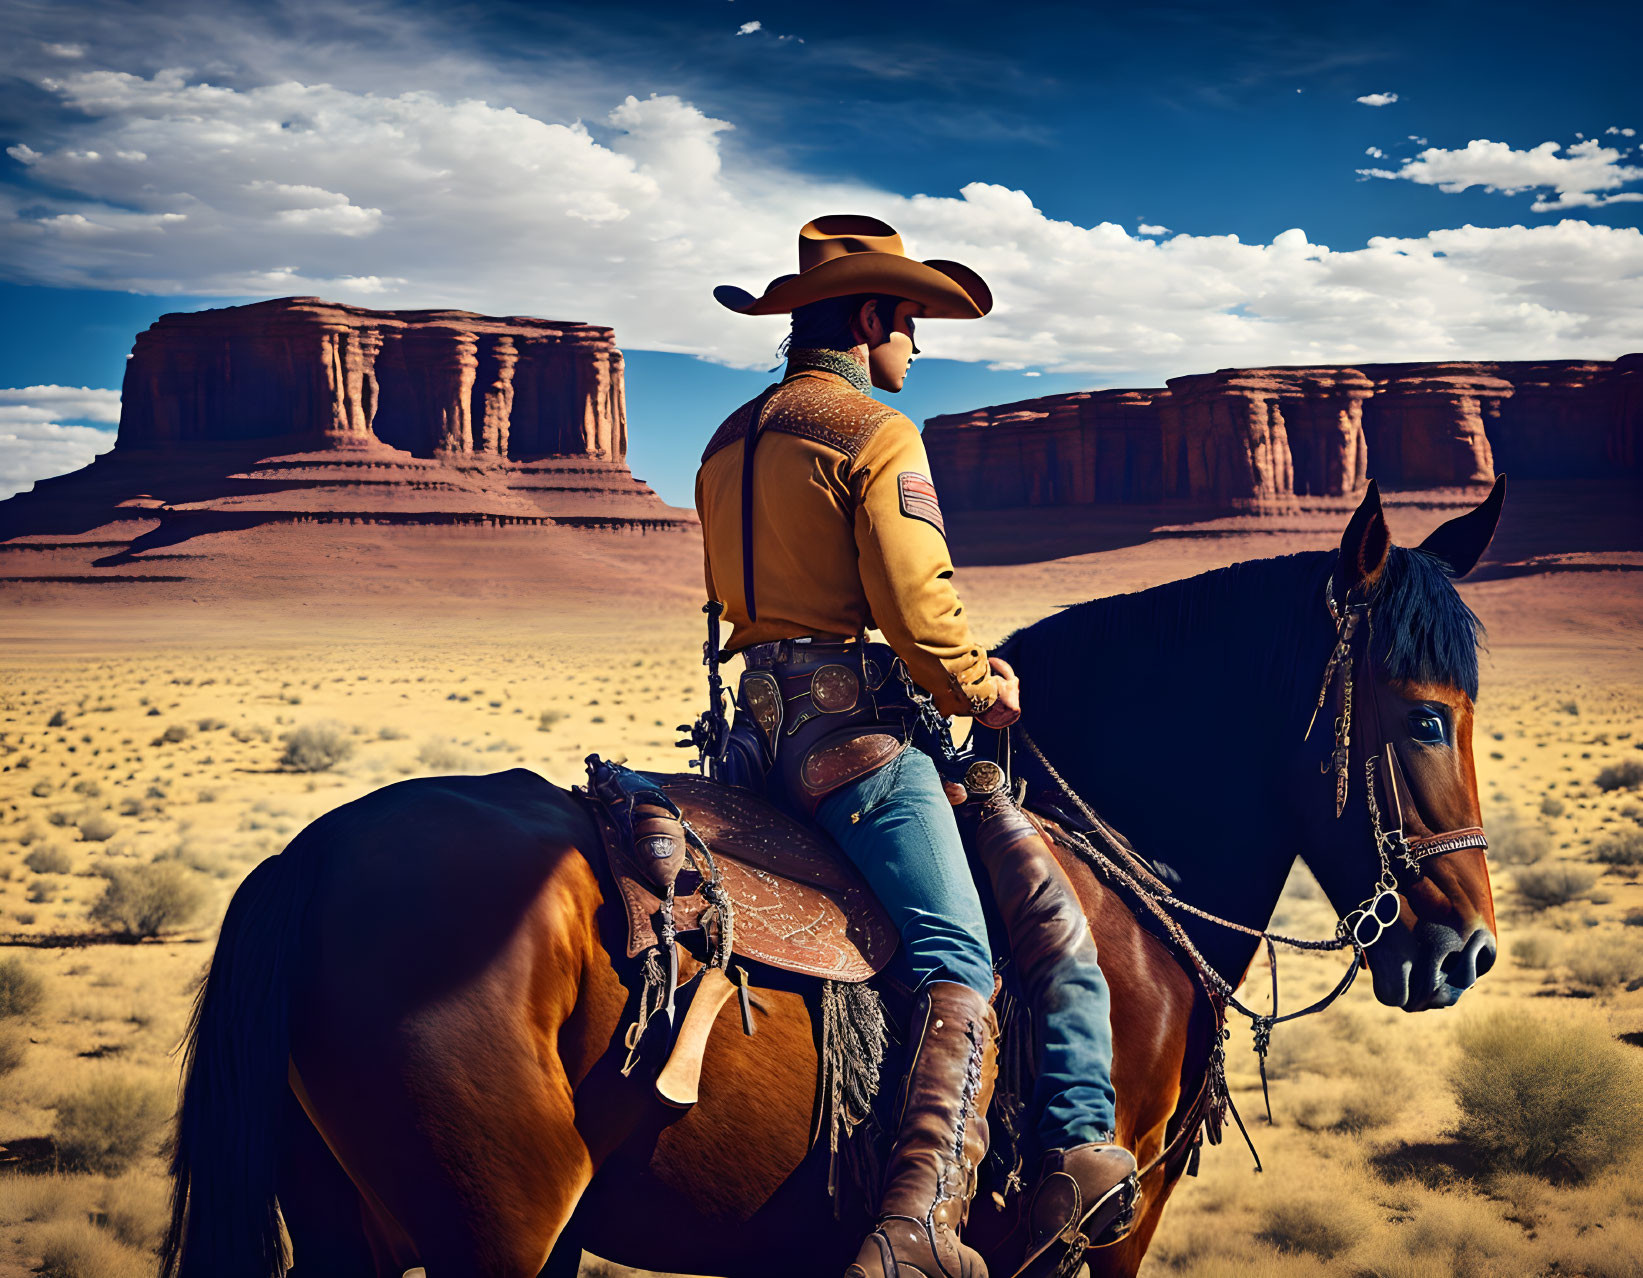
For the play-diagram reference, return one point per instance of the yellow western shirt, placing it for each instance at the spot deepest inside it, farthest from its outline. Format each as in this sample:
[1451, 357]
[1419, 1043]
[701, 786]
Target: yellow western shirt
[847, 535]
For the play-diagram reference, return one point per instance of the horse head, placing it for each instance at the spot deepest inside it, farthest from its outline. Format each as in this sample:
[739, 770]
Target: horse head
[1397, 815]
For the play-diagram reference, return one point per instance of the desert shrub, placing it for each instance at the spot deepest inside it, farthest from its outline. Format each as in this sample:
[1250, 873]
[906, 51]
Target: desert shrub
[41, 789]
[1535, 950]
[1544, 886]
[135, 1210]
[145, 900]
[440, 754]
[1460, 1236]
[78, 1249]
[13, 1043]
[250, 732]
[1511, 843]
[1621, 776]
[98, 827]
[57, 720]
[172, 735]
[546, 720]
[1537, 1096]
[48, 860]
[41, 892]
[1317, 1226]
[108, 1125]
[1623, 849]
[210, 725]
[1605, 964]
[1551, 806]
[1371, 1102]
[316, 747]
[389, 733]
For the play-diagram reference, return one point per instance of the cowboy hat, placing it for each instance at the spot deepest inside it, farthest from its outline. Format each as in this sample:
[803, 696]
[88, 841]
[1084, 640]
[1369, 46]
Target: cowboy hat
[846, 253]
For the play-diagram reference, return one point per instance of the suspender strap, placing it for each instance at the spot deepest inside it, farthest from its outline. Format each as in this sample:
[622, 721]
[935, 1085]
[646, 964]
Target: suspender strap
[750, 441]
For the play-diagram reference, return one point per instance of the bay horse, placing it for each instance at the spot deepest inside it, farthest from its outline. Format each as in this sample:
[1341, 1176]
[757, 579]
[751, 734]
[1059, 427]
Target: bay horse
[406, 1049]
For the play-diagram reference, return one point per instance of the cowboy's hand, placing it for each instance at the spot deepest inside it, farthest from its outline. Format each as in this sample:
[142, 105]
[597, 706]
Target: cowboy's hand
[1007, 709]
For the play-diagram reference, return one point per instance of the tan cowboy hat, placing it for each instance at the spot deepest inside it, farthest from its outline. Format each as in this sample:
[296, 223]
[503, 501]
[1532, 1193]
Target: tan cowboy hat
[846, 253]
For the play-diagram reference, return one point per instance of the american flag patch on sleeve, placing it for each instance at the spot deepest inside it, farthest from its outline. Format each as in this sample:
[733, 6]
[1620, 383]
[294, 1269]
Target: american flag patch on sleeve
[918, 499]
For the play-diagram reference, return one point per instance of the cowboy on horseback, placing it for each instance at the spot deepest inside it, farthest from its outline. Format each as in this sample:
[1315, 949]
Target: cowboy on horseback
[820, 521]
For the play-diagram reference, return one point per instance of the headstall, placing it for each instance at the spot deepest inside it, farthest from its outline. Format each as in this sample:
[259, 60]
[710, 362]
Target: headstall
[1380, 910]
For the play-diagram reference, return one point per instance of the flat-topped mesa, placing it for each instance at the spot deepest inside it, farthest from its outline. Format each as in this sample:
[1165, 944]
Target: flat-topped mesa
[318, 375]
[1254, 437]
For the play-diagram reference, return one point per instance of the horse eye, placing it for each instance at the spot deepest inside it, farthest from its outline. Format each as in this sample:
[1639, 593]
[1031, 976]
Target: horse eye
[1426, 727]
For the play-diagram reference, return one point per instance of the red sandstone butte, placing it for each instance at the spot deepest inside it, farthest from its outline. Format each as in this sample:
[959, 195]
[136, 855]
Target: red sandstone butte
[300, 410]
[1259, 437]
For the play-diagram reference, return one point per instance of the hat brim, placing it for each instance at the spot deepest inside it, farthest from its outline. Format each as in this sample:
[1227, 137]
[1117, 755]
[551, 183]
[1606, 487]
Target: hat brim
[946, 290]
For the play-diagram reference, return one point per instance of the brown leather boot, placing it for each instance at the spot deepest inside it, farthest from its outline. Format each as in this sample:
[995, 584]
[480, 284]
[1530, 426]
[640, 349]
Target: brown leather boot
[942, 1139]
[1085, 1197]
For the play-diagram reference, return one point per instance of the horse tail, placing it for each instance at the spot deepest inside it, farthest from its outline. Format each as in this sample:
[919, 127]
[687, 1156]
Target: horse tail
[225, 1220]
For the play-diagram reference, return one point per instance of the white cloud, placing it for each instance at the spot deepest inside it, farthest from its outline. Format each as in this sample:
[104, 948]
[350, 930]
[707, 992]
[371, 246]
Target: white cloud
[1625, 133]
[1378, 99]
[70, 52]
[58, 403]
[1146, 228]
[427, 199]
[1375, 153]
[1580, 174]
[748, 28]
[34, 441]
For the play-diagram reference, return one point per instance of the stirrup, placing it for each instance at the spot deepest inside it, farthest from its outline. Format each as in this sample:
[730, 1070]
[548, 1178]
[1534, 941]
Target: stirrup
[1101, 1222]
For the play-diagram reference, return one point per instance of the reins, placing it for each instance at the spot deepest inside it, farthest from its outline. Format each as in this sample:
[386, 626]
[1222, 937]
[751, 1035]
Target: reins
[1357, 929]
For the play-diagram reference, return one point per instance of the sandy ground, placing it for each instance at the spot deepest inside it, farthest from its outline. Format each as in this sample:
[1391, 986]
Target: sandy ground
[144, 725]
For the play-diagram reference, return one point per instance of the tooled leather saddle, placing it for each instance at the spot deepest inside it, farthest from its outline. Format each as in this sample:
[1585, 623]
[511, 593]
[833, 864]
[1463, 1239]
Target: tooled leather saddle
[797, 903]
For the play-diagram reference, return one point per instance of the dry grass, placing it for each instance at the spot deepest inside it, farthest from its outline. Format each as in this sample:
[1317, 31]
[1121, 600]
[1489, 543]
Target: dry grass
[21, 989]
[108, 1125]
[146, 900]
[1543, 1096]
[1544, 887]
[316, 747]
[78, 1249]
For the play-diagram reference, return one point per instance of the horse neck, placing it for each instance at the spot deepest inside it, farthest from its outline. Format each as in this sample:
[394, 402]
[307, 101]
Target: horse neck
[1178, 713]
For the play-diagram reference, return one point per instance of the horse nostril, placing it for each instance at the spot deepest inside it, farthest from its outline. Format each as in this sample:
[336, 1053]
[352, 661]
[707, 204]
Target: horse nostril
[1486, 959]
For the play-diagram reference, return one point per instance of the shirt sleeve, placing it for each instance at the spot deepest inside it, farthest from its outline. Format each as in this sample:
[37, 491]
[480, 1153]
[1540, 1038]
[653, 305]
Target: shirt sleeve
[907, 571]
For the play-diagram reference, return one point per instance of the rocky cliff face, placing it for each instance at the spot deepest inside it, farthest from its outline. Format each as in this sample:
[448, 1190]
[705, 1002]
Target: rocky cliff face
[1260, 436]
[300, 411]
[433, 383]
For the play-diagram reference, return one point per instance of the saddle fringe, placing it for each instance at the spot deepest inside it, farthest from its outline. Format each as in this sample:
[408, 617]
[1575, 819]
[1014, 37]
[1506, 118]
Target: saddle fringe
[855, 1033]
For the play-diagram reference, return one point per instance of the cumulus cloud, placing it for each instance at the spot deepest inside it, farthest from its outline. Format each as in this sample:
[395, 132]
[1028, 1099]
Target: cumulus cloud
[1378, 99]
[1375, 153]
[1617, 130]
[34, 439]
[1583, 175]
[167, 183]
[1146, 228]
[748, 28]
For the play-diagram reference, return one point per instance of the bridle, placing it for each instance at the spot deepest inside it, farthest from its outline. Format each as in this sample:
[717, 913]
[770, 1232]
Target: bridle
[1350, 656]
[1109, 853]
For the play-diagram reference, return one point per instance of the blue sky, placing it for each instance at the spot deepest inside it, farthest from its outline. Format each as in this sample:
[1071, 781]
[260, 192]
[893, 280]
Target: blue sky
[1151, 190]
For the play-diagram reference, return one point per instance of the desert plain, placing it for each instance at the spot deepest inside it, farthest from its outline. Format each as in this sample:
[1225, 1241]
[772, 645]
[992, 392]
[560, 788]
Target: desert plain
[159, 738]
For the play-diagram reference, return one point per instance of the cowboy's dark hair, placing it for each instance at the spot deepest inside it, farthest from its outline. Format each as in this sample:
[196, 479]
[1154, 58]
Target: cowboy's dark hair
[825, 325]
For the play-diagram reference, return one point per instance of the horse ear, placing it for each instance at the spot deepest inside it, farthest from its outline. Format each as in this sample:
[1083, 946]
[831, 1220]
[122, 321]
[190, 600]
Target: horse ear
[1364, 546]
[1460, 543]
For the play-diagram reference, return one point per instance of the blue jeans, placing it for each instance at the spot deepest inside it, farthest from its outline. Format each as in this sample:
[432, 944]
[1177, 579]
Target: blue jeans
[897, 827]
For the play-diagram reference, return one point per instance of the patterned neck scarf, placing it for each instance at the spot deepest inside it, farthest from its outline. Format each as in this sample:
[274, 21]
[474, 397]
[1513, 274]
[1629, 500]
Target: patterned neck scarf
[831, 362]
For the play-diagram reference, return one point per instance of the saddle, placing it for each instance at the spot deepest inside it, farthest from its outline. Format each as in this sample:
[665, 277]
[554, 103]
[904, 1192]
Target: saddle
[797, 904]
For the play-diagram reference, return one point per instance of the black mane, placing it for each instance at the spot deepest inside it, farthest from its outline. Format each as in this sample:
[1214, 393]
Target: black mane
[1264, 614]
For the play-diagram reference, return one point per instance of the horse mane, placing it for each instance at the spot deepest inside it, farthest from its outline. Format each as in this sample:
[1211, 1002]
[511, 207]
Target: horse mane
[1259, 617]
